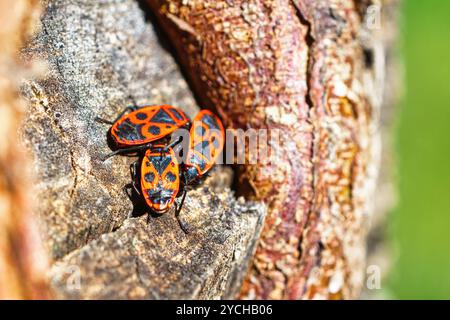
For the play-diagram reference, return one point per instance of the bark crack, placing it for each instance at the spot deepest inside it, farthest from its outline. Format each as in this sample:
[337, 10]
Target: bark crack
[39, 94]
[309, 40]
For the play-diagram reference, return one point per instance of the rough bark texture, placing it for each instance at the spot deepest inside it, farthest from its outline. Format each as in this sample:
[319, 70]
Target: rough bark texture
[152, 259]
[315, 71]
[103, 56]
[22, 259]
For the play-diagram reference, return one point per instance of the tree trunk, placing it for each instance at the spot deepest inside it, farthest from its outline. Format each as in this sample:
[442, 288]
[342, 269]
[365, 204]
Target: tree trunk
[314, 72]
[102, 58]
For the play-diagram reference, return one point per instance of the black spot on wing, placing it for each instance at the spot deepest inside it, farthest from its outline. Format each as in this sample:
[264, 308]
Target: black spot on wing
[162, 117]
[149, 177]
[154, 130]
[176, 114]
[130, 131]
[141, 115]
[171, 177]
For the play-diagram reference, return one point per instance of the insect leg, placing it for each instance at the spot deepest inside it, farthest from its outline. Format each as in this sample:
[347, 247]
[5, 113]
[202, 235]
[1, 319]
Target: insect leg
[182, 201]
[127, 150]
[129, 108]
[133, 172]
[101, 120]
[178, 210]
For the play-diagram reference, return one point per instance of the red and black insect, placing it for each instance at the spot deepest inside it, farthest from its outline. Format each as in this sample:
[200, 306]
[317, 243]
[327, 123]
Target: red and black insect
[158, 178]
[207, 138]
[161, 178]
[137, 128]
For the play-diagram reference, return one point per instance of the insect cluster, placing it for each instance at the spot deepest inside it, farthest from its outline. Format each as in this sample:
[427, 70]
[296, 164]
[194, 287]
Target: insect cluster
[147, 131]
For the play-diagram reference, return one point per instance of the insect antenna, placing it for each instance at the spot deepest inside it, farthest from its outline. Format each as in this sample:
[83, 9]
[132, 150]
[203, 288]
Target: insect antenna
[101, 120]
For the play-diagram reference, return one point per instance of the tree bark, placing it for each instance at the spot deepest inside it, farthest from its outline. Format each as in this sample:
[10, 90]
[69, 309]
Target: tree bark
[314, 70]
[102, 57]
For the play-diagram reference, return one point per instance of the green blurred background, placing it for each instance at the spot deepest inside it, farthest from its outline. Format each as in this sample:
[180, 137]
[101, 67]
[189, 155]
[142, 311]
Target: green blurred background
[421, 222]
